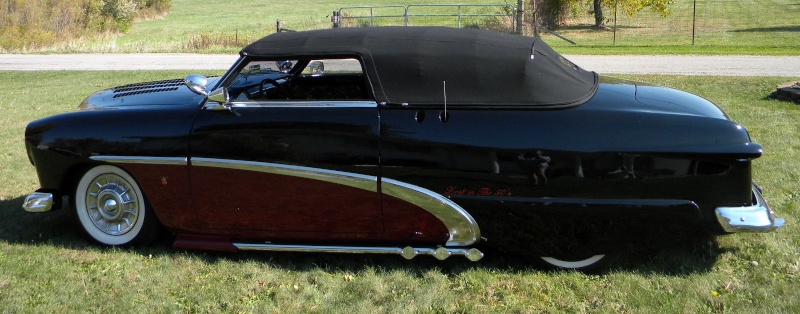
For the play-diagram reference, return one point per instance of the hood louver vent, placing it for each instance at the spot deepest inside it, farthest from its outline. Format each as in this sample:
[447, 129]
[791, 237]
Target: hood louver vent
[147, 87]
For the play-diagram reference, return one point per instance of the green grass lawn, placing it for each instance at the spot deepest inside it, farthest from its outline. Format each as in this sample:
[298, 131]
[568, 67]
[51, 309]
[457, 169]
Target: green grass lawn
[46, 265]
[769, 27]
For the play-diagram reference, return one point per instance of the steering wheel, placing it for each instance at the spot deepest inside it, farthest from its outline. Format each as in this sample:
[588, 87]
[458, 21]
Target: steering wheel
[276, 84]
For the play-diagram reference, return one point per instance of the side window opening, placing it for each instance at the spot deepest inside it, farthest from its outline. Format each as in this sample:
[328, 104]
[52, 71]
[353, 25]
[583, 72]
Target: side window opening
[301, 80]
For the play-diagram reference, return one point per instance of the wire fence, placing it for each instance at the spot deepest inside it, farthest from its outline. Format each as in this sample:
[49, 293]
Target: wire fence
[730, 23]
[723, 23]
[733, 26]
[499, 17]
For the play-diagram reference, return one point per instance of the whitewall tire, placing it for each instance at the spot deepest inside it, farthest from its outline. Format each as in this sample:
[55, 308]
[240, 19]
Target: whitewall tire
[111, 207]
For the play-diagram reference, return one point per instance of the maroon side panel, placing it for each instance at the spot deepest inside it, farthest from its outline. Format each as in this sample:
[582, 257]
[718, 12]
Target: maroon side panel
[257, 207]
[240, 201]
[408, 223]
[167, 189]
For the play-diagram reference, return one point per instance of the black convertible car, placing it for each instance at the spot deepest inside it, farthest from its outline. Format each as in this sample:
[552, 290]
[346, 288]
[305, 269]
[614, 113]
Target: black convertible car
[400, 140]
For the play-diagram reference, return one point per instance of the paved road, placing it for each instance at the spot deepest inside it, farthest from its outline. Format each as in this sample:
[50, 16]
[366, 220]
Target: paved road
[693, 65]
[671, 64]
[111, 61]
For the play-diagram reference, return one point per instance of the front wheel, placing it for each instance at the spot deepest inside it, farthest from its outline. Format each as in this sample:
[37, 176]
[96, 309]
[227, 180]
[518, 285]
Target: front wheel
[111, 208]
[590, 263]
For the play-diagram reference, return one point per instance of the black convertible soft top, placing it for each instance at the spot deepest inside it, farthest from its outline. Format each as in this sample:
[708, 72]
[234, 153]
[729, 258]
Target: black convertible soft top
[412, 65]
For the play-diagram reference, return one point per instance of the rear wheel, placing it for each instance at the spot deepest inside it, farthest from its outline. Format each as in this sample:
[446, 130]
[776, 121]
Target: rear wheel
[590, 263]
[111, 208]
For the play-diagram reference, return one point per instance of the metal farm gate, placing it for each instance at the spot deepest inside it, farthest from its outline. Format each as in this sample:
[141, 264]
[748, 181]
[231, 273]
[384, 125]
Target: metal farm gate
[500, 17]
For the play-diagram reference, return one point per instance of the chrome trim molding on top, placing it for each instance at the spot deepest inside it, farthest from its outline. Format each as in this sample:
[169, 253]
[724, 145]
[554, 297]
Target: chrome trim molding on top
[440, 253]
[755, 218]
[38, 202]
[355, 180]
[304, 104]
[463, 228]
[172, 161]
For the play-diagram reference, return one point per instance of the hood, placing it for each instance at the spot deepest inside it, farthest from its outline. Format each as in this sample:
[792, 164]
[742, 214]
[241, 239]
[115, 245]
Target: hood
[157, 93]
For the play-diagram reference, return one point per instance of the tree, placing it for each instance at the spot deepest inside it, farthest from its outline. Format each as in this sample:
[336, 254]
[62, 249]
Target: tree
[629, 7]
[549, 13]
[553, 13]
[598, 14]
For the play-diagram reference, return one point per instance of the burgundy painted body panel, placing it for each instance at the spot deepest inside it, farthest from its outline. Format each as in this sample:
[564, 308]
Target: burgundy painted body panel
[168, 191]
[233, 200]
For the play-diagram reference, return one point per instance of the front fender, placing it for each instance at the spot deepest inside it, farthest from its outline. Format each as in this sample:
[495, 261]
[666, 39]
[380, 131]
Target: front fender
[60, 147]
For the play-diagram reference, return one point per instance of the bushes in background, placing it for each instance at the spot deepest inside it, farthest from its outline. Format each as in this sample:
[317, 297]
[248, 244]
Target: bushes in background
[29, 25]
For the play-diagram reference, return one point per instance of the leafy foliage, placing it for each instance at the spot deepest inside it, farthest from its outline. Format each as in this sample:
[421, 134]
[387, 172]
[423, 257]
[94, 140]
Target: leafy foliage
[550, 13]
[631, 7]
[28, 25]
[553, 13]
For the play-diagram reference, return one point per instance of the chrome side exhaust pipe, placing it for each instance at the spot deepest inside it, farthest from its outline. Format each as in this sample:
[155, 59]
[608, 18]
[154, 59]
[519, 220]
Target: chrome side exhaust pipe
[440, 253]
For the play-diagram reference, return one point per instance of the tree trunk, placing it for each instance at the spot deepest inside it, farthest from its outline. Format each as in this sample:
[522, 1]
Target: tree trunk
[598, 14]
[548, 13]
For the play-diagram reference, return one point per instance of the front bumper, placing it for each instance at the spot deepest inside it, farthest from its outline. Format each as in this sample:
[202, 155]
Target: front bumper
[38, 202]
[755, 218]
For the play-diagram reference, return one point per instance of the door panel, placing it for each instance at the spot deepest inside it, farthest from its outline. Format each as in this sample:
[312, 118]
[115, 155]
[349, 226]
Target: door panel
[288, 166]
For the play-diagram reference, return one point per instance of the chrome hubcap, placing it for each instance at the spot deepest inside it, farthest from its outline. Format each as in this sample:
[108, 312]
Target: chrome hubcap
[112, 204]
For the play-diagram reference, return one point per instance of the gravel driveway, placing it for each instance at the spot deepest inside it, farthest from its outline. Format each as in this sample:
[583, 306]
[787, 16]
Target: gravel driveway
[670, 64]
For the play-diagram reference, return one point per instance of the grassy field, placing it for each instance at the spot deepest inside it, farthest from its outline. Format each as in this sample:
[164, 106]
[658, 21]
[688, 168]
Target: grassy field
[724, 27]
[46, 265]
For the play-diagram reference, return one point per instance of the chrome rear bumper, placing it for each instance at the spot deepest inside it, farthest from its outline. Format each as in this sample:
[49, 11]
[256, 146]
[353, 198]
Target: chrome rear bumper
[755, 218]
[38, 202]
